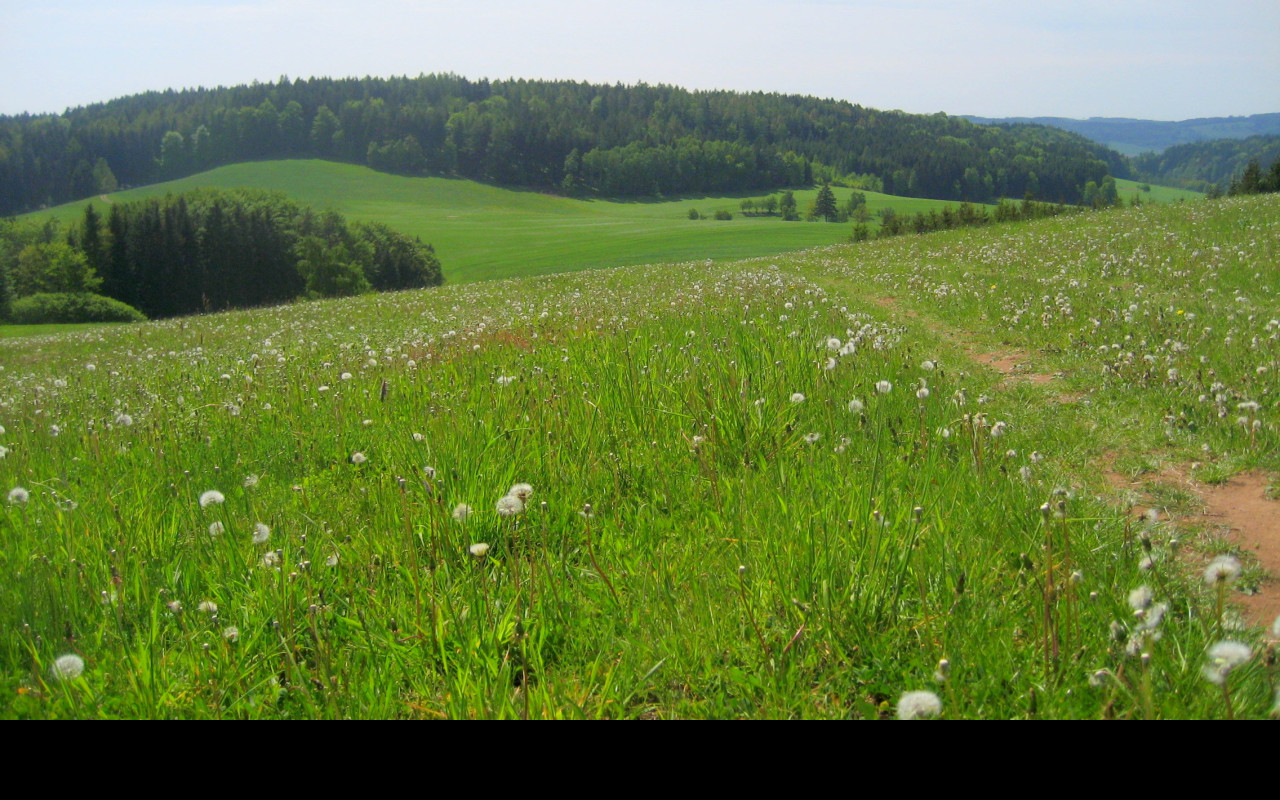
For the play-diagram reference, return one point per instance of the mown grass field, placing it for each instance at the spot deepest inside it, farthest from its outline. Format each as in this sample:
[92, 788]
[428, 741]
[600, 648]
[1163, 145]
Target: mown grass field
[483, 232]
[780, 487]
[1128, 190]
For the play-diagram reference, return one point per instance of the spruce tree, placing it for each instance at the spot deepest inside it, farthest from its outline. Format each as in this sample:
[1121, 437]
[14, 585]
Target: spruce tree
[825, 204]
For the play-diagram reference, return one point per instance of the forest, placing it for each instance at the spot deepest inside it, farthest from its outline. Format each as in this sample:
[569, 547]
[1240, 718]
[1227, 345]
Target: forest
[1206, 166]
[563, 136]
[202, 251]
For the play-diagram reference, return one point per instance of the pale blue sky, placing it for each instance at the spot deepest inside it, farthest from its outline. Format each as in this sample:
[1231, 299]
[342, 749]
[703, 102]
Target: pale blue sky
[1151, 59]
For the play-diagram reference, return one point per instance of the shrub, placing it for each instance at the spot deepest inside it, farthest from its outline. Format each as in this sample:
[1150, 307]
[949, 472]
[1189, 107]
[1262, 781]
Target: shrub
[38, 309]
[724, 215]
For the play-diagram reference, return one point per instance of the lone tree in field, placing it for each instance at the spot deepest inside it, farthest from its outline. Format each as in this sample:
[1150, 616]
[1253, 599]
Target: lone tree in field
[825, 204]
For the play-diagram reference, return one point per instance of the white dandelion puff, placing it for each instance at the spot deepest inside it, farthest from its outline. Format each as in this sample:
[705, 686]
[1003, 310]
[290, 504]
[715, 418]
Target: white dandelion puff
[68, 667]
[509, 506]
[261, 533]
[231, 633]
[208, 607]
[856, 406]
[812, 438]
[358, 458]
[884, 387]
[18, 496]
[479, 549]
[1140, 598]
[461, 511]
[250, 481]
[797, 398]
[919, 705]
[1223, 569]
[521, 490]
[216, 529]
[1223, 658]
[213, 497]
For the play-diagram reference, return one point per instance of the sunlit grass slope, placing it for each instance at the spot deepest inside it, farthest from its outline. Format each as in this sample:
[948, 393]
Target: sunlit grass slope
[482, 232]
[781, 487]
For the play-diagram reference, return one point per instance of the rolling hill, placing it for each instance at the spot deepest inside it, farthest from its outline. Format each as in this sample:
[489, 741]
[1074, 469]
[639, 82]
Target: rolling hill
[482, 232]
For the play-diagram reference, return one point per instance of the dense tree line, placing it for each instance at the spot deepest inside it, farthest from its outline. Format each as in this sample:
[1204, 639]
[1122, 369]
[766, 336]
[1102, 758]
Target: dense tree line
[965, 215]
[1206, 166]
[211, 250]
[1252, 180]
[575, 137]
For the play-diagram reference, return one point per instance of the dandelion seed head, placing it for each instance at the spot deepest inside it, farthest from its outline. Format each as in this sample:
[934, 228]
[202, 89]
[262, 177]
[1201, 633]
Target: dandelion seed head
[358, 458]
[812, 438]
[250, 481]
[521, 490]
[261, 533]
[919, 705]
[479, 549]
[213, 497]
[216, 529]
[510, 506]
[1224, 657]
[208, 607]
[1140, 598]
[231, 633]
[1223, 569]
[461, 511]
[797, 397]
[18, 496]
[884, 387]
[68, 667]
[856, 406]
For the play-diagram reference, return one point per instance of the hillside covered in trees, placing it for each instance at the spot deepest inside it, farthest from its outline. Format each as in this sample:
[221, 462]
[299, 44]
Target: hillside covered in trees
[1137, 136]
[1205, 166]
[576, 138]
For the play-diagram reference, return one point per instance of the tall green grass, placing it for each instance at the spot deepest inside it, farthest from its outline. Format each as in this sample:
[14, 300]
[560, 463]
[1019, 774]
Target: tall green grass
[772, 488]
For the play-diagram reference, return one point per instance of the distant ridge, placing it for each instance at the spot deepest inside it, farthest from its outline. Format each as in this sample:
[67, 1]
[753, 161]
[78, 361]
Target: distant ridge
[1134, 136]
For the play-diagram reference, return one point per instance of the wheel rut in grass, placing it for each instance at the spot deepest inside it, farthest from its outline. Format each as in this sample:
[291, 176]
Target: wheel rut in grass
[1012, 363]
[1250, 519]
[1242, 513]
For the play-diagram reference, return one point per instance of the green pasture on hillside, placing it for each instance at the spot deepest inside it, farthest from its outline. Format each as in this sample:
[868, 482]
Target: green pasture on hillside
[483, 232]
[1158, 194]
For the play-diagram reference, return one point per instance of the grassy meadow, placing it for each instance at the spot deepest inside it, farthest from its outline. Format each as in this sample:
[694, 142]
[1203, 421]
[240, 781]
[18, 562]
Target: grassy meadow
[781, 487]
[482, 232]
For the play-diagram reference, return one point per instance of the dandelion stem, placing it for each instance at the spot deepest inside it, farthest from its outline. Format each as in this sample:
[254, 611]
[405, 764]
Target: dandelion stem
[742, 591]
[591, 551]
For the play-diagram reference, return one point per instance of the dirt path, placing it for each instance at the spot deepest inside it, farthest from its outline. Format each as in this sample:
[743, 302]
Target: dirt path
[1239, 510]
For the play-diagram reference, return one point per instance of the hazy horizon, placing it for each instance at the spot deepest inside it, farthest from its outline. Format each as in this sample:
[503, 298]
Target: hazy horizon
[1165, 61]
